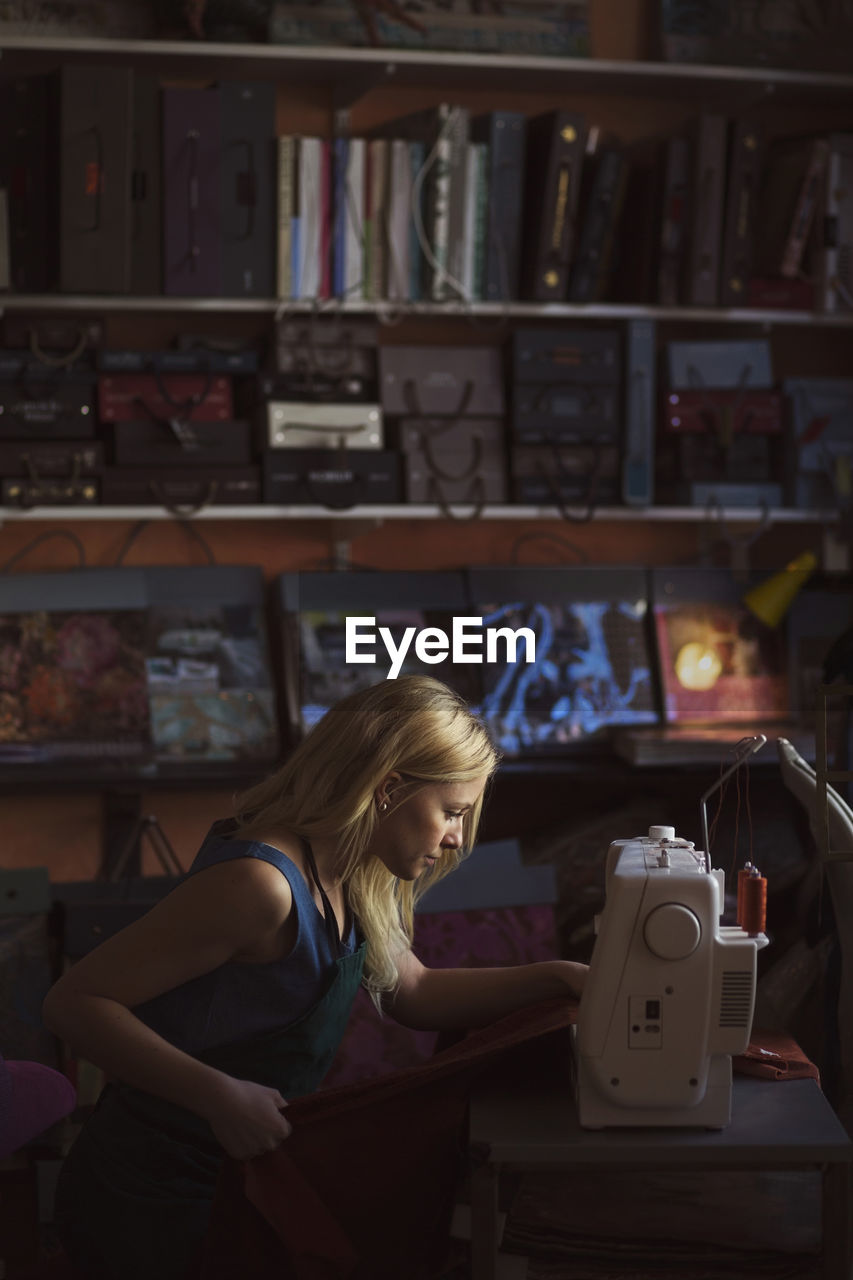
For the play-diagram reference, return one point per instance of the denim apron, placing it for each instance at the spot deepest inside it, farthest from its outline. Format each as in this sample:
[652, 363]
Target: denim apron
[135, 1192]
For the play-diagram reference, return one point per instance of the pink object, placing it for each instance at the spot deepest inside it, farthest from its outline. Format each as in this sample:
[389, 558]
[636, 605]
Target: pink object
[374, 1046]
[32, 1098]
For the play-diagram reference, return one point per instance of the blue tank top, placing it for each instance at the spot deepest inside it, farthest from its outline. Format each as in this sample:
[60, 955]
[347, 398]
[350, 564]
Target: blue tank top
[236, 1001]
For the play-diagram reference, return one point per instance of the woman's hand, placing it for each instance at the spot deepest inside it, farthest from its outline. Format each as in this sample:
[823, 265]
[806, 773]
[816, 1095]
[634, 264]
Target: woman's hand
[573, 974]
[247, 1118]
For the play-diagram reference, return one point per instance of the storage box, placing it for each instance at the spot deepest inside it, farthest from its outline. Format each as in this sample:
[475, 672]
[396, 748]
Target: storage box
[559, 356]
[179, 489]
[191, 444]
[542, 474]
[301, 425]
[201, 397]
[337, 480]
[458, 460]
[447, 382]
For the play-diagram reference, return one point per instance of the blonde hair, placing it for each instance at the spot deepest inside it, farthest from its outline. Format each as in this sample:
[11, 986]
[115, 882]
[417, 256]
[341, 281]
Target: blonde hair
[415, 726]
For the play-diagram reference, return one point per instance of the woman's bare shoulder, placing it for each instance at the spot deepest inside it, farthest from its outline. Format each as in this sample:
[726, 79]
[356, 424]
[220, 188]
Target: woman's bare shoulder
[240, 884]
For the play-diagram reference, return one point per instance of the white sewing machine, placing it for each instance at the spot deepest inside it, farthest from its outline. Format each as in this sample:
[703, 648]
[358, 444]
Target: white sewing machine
[670, 992]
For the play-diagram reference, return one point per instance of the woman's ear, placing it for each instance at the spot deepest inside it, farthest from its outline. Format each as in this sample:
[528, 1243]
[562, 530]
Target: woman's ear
[385, 790]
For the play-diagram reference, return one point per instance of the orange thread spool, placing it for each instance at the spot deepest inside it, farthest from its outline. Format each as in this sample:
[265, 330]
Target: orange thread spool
[742, 877]
[754, 903]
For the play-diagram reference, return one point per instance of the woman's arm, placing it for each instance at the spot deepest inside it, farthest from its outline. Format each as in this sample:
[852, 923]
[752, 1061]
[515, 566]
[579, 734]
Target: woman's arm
[447, 999]
[206, 921]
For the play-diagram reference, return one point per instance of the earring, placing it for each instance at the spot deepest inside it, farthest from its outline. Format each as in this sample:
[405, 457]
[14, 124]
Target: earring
[383, 808]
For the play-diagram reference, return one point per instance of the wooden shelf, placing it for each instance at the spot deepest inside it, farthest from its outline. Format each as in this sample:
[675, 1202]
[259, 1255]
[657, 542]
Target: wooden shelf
[350, 72]
[393, 311]
[462, 512]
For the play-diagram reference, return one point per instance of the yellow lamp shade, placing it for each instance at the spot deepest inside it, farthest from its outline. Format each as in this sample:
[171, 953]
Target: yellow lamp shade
[772, 599]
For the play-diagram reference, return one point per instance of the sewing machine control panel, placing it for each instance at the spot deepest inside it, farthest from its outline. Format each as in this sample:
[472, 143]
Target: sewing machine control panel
[645, 1030]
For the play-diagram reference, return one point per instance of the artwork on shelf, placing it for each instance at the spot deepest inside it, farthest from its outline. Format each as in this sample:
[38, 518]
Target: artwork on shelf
[718, 663]
[545, 28]
[592, 672]
[551, 659]
[311, 611]
[73, 687]
[208, 685]
[116, 19]
[326, 676]
[771, 33]
[152, 672]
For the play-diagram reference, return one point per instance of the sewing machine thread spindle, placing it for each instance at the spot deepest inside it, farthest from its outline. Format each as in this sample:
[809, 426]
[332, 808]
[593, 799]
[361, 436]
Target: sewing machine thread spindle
[742, 877]
[754, 903]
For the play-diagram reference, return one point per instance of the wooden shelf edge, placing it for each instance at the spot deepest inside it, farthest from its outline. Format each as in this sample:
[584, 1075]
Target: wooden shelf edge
[393, 311]
[463, 514]
[582, 72]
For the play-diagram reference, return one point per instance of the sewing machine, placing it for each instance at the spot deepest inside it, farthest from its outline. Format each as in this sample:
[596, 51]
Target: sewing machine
[670, 992]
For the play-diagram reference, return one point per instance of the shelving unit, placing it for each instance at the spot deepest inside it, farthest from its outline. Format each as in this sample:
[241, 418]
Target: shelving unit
[345, 76]
[358, 86]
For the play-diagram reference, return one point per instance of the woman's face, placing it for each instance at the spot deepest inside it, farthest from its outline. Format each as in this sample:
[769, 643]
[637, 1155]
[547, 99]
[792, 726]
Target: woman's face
[414, 833]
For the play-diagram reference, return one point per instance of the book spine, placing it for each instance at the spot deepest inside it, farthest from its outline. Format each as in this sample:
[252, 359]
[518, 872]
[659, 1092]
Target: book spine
[5, 267]
[459, 134]
[146, 241]
[377, 221]
[505, 134]
[552, 219]
[367, 220]
[674, 221]
[707, 211]
[837, 266]
[95, 184]
[339, 211]
[353, 286]
[806, 208]
[246, 199]
[310, 208]
[438, 206]
[472, 170]
[481, 219]
[740, 219]
[399, 220]
[284, 217]
[417, 153]
[324, 287]
[608, 247]
[589, 273]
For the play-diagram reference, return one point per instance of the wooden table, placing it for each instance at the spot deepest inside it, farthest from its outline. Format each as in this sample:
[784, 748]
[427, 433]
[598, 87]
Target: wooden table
[533, 1125]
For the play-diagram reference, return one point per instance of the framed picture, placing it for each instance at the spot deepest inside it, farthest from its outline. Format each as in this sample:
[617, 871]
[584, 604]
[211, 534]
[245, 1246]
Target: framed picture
[545, 28]
[718, 663]
[774, 33]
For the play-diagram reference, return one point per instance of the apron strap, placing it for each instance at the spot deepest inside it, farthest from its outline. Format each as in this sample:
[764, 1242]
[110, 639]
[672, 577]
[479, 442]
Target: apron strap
[328, 914]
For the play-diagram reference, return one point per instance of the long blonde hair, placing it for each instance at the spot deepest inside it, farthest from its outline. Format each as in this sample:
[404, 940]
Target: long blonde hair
[415, 726]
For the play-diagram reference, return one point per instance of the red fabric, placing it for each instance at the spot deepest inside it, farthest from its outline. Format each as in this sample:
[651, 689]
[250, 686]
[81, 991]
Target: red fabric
[774, 1055]
[367, 1180]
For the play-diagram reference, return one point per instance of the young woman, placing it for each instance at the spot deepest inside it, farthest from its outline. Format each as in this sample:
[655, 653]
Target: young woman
[232, 994]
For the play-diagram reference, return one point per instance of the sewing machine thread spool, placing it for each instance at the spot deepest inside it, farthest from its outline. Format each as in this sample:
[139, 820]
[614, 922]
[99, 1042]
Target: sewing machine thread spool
[754, 903]
[742, 877]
